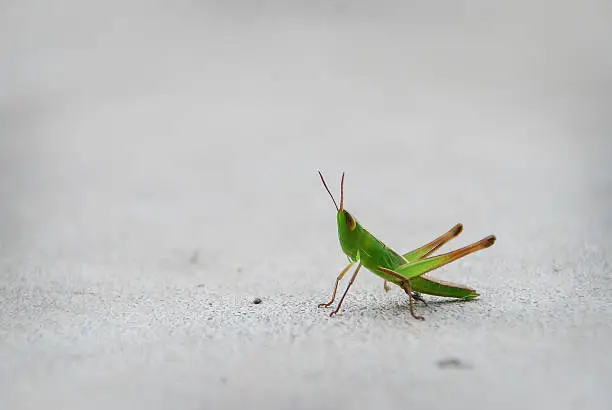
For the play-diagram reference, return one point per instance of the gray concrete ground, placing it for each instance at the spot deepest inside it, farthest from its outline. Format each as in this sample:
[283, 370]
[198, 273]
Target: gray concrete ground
[158, 173]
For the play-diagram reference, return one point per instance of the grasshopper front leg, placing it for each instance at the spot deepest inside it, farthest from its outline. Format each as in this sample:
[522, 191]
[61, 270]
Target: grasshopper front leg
[346, 291]
[338, 279]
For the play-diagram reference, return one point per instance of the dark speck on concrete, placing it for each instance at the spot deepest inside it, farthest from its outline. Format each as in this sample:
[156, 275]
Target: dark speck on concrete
[452, 363]
[257, 301]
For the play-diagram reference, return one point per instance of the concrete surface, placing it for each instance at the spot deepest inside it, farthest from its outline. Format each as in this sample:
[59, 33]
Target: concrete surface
[158, 168]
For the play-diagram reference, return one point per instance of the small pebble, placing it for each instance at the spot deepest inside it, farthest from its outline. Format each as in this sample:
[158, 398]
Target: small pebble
[257, 301]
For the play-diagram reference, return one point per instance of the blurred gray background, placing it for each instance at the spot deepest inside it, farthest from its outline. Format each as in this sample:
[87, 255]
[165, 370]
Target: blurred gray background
[158, 172]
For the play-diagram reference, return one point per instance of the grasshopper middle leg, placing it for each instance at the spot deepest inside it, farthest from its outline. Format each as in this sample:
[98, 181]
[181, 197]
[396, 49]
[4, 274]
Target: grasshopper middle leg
[407, 286]
[417, 296]
[386, 286]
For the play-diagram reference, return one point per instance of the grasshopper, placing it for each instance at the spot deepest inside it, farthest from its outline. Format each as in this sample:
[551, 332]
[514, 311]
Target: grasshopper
[407, 271]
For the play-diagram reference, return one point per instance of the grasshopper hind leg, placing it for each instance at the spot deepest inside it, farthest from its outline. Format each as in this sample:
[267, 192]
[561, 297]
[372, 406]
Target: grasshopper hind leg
[434, 245]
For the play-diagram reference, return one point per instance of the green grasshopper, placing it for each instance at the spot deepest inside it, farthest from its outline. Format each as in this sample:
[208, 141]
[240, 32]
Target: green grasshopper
[406, 271]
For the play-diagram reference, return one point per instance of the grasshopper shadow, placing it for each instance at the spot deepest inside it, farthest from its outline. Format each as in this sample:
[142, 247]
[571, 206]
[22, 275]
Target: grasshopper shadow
[397, 308]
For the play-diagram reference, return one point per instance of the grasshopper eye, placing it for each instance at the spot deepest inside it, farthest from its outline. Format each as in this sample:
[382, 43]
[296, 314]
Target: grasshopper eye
[350, 221]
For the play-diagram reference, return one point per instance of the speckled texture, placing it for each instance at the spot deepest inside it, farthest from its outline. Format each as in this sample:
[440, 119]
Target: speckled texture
[158, 174]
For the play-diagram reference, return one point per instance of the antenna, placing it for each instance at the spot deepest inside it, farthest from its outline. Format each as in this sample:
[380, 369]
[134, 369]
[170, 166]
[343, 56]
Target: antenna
[342, 193]
[328, 191]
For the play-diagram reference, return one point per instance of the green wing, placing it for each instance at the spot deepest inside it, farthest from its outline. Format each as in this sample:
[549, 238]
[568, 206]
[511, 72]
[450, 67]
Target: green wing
[436, 287]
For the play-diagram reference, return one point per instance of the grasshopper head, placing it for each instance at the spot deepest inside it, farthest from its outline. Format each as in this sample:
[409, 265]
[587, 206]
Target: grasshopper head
[347, 228]
[346, 221]
[348, 233]
[347, 225]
